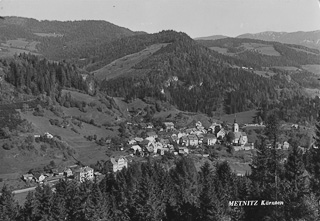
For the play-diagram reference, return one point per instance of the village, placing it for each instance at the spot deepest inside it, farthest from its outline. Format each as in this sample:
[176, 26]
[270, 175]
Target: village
[156, 142]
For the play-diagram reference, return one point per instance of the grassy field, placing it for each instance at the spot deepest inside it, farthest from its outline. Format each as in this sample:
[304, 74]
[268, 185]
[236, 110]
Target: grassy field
[123, 66]
[312, 92]
[266, 74]
[17, 46]
[261, 48]
[48, 34]
[314, 68]
[221, 50]
[298, 49]
[286, 68]
[245, 117]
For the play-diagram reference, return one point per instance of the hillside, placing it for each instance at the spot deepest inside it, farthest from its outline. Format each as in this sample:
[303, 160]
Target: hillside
[309, 39]
[56, 40]
[212, 37]
[194, 78]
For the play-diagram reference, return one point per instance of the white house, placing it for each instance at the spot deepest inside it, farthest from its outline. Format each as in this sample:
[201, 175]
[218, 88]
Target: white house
[119, 163]
[48, 135]
[210, 139]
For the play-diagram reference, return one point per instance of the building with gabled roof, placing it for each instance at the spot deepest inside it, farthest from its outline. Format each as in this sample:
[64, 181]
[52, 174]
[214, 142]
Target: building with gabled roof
[118, 163]
[210, 139]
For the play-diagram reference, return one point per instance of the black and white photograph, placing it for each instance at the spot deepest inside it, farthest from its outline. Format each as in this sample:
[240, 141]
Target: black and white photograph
[159, 110]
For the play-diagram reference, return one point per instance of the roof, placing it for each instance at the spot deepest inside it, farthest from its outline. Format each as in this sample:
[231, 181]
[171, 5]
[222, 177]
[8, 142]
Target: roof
[114, 160]
[151, 133]
[84, 169]
[169, 123]
[192, 137]
[237, 135]
[210, 136]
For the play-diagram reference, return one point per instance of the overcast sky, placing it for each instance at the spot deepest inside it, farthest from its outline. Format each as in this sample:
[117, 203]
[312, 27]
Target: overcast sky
[195, 17]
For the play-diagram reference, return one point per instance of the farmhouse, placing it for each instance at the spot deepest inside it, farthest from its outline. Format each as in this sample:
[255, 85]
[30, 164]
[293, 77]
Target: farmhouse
[27, 177]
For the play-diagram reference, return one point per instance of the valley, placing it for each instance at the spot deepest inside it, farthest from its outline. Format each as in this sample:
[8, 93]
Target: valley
[128, 111]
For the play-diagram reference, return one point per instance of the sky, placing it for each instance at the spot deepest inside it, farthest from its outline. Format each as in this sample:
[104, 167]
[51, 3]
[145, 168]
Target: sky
[197, 18]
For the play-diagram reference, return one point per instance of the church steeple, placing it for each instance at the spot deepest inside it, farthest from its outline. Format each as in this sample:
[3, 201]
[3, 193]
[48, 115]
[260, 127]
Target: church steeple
[235, 125]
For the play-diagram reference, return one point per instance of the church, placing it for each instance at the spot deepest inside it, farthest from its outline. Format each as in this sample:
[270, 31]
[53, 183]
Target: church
[240, 138]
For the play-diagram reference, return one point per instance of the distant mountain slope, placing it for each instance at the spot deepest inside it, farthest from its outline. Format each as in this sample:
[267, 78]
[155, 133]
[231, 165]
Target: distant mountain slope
[310, 39]
[264, 53]
[213, 37]
[59, 40]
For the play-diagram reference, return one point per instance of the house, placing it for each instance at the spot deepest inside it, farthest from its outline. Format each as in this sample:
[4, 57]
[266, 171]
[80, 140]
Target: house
[152, 134]
[55, 172]
[200, 138]
[39, 177]
[67, 172]
[163, 150]
[184, 140]
[149, 125]
[175, 138]
[210, 139]
[27, 177]
[285, 145]
[136, 148]
[143, 125]
[118, 163]
[138, 139]
[133, 141]
[83, 173]
[48, 135]
[169, 125]
[165, 142]
[221, 134]
[183, 150]
[193, 140]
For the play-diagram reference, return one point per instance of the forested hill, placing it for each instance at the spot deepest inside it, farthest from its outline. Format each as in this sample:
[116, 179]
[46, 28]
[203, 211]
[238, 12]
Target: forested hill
[195, 78]
[264, 53]
[59, 40]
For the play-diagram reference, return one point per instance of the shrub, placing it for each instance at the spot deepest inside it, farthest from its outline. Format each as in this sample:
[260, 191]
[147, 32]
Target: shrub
[6, 146]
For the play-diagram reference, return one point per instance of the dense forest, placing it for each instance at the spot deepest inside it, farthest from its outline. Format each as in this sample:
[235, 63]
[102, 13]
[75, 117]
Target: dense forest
[160, 190]
[33, 75]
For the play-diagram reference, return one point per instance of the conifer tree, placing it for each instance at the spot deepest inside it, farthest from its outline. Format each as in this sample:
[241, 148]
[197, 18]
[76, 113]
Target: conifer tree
[8, 206]
[27, 210]
[294, 186]
[209, 209]
[96, 206]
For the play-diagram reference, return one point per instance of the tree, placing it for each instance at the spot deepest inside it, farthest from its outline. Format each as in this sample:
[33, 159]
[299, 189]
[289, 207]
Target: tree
[208, 202]
[8, 206]
[294, 186]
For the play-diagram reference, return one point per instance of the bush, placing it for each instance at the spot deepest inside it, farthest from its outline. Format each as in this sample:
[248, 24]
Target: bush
[6, 146]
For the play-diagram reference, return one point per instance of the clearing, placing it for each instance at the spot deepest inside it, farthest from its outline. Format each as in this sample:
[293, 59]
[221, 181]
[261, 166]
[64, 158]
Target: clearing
[314, 68]
[123, 66]
[245, 117]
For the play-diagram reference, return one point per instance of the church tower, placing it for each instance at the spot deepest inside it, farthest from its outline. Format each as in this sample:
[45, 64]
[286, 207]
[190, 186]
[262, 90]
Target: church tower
[235, 126]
